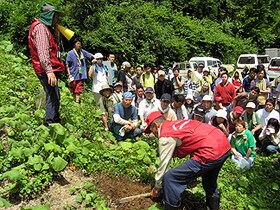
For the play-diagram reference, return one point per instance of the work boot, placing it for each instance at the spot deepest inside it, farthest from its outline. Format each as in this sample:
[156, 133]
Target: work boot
[213, 202]
[168, 207]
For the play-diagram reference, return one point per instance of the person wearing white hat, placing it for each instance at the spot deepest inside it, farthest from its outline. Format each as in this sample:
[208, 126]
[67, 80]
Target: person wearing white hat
[189, 104]
[123, 76]
[99, 73]
[220, 120]
[207, 102]
[252, 120]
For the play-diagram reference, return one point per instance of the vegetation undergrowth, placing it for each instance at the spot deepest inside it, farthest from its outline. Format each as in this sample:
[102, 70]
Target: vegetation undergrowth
[31, 155]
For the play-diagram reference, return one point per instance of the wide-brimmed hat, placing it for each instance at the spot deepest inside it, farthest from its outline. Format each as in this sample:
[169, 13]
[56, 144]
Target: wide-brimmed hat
[150, 119]
[46, 7]
[105, 87]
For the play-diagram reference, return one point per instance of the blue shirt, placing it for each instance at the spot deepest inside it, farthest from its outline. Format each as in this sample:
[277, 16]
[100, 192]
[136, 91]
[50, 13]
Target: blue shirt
[247, 83]
[71, 61]
[126, 113]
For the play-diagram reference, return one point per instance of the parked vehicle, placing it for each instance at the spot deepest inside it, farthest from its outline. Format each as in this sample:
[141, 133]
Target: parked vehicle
[214, 63]
[272, 52]
[252, 60]
[184, 67]
[274, 68]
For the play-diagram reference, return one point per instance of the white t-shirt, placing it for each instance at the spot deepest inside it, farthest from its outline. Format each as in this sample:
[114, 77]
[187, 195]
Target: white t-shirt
[265, 116]
[145, 107]
[98, 79]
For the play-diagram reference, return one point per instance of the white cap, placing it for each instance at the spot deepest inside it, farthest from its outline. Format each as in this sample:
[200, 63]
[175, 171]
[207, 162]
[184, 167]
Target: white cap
[251, 105]
[206, 98]
[98, 55]
[126, 64]
[221, 113]
[189, 97]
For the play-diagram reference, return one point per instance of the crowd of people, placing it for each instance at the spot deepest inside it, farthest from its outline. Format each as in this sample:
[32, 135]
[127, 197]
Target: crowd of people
[224, 113]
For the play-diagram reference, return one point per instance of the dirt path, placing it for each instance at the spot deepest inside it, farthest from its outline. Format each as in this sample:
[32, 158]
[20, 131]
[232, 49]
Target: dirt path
[112, 188]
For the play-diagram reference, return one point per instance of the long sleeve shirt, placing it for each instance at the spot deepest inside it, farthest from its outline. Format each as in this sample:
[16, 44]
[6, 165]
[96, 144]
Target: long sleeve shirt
[226, 92]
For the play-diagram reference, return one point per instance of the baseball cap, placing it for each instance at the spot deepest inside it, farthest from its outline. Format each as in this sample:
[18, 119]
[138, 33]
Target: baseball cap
[161, 73]
[126, 64]
[98, 55]
[206, 98]
[166, 97]
[149, 90]
[251, 105]
[201, 65]
[238, 109]
[218, 99]
[149, 120]
[189, 97]
[46, 7]
[117, 84]
[199, 110]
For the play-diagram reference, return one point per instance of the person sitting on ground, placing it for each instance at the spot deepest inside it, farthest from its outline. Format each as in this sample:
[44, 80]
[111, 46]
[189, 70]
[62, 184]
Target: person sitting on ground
[210, 111]
[246, 84]
[178, 82]
[237, 82]
[165, 108]
[146, 105]
[270, 137]
[139, 96]
[125, 119]
[117, 94]
[76, 68]
[208, 148]
[163, 85]
[242, 146]
[106, 105]
[267, 112]
[178, 107]
[252, 121]
[199, 113]
[205, 89]
[220, 121]
[263, 84]
[243, 98]
[189, 104]
[234, 115]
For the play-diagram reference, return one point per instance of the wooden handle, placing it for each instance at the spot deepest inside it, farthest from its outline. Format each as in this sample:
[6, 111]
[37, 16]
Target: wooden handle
[130, 198]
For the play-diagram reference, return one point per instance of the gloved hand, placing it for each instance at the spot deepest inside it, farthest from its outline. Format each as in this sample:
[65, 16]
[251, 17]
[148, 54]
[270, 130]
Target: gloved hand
[155, 193]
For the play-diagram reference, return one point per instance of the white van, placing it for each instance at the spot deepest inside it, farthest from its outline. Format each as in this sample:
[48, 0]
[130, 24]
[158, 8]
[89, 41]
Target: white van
[274, 68]
[252, 60]
[214, 63]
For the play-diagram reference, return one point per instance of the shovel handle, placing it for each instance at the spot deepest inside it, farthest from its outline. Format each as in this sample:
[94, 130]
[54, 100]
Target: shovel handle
[130, 198]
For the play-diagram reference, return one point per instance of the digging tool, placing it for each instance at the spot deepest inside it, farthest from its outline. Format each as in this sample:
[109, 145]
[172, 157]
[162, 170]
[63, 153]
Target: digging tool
[130, 198]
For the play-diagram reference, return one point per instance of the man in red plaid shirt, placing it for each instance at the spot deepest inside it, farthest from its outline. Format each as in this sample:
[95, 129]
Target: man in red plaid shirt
[45, 57]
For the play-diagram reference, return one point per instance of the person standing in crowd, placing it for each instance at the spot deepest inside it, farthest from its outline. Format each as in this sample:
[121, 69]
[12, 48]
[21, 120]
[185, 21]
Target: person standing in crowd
[243, 98]
[76, 68]
[237, 82]
[270, 137]
[148, 78]
[45, 57]
[139, 96]
[112, 69]
[220, 121]
[242, 146]
[178, 82]
[225, 92]
[146, 105]
[99, 73]
[277, 99]
[136, 79]
[267, 112]
[124, 122]
[263, 84]
[208, 148]
[210, 111]
[106, 105]
[163, 85]
[252, 121]
[189, 104]
[122, 75]
[178, 107]
[164, 107]
[246, 84]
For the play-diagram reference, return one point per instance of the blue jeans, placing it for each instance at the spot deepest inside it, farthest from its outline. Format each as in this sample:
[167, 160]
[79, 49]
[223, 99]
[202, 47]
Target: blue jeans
[52, 100]
[272, 149]
[176, 180]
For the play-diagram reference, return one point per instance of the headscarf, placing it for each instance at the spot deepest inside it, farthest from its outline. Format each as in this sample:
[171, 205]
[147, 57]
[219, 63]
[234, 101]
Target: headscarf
[127, 95]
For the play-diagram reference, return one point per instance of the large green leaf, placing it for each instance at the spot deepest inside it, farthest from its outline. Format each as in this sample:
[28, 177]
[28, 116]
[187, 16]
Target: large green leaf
[4, 203]
[58, 163]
